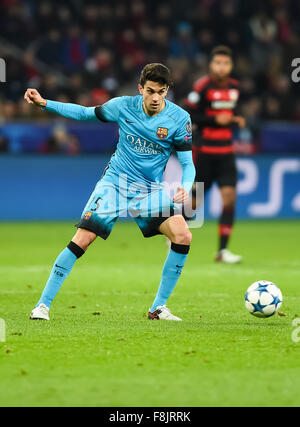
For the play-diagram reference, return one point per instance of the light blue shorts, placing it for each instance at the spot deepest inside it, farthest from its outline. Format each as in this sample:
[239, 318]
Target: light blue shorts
[113, 198]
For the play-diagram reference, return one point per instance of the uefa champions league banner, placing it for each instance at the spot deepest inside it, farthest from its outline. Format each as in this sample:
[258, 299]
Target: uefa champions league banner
[268, 187]
[57, 187]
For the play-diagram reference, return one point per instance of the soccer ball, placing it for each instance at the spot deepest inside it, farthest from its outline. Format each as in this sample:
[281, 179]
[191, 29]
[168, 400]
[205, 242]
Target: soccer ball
[263, 298]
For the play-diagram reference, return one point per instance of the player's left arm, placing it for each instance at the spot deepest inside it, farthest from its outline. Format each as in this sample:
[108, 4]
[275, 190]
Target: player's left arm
[183, 147]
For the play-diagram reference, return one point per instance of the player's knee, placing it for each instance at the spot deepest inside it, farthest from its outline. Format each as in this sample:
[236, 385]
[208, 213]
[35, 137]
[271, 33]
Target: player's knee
[83, 238]
[229, 198]
[183, 237]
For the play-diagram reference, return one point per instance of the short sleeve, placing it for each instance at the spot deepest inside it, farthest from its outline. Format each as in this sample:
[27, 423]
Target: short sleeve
[110, 111]
[183, 136]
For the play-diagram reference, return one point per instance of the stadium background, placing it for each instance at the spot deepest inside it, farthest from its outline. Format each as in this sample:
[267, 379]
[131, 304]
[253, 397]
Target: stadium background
[98, 348]
[87, 52]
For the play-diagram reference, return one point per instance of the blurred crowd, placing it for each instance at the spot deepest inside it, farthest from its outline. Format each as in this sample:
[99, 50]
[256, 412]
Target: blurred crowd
[89, 51]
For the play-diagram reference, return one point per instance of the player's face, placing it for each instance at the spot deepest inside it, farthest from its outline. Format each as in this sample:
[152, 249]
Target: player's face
[154, 96]
[221, 66]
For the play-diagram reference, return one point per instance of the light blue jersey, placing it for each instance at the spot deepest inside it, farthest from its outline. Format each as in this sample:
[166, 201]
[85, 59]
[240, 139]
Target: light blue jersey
[145, 142]
[144, 147]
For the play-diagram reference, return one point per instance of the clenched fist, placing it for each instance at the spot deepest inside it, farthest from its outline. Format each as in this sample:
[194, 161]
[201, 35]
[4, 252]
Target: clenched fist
[32, 96]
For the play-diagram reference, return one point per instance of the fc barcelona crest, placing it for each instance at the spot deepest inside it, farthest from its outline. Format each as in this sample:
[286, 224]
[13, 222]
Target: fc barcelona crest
[162, 133]
[87, 215]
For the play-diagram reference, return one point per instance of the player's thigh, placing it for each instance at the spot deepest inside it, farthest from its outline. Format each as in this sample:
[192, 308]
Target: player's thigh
[102, 210]
[204, 177]
[150, 210]
[226, 172]
[177, 230]
[204, 170]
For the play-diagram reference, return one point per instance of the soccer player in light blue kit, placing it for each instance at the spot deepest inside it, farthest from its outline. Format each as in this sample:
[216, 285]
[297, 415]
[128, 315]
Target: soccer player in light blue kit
[150, 127]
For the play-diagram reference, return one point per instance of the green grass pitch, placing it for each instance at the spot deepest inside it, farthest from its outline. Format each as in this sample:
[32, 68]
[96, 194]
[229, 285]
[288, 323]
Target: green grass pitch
[100, 350]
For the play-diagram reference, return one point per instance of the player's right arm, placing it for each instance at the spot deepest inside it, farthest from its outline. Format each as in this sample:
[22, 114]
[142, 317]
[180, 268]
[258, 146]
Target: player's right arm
[109, 112]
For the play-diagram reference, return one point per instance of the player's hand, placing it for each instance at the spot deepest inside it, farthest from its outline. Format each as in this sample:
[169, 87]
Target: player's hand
[181, 196]
[32, 96]
[223, 119]
[239, 120]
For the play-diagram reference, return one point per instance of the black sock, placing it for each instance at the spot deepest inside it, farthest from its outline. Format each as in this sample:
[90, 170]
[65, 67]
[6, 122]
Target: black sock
[225, 227]
[77, 251]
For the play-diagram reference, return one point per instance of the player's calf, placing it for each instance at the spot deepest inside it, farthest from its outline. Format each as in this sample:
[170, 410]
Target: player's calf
[177, 231]
[61, 269]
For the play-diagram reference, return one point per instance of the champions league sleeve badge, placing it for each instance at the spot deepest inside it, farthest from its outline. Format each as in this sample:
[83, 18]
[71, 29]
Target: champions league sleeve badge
[188, 127]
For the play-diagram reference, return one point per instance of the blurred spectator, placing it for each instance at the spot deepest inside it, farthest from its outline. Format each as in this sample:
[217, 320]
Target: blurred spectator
[61, 142]
[74, 49]
[50, 48]
[91, 51]
[45, 15]
[138, 14]
[264, 46]
[128, 45]
[50, 86]
[184, 45]
[64, 17]
[206, 40]
[283, 25]
[160, 43]
[280, 91]
[228, 25]
[8, 110]
[90, 18]
[272, 109]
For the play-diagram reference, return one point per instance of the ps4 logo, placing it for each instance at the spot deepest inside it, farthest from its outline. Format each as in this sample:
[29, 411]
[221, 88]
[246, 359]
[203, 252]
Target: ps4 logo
[2, 71]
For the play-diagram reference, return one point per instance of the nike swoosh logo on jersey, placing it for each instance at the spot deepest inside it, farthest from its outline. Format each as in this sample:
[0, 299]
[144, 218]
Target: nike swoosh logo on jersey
[128, 121]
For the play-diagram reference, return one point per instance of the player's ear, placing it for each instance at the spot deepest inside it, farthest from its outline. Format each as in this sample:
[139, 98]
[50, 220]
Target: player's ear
[141, 89]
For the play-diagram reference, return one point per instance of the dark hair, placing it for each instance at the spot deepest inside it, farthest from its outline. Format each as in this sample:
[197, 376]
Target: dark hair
[158, 73]
[221, 50]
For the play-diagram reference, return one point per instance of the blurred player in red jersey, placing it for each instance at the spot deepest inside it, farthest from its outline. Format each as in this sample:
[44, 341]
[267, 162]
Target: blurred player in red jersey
[212, 105]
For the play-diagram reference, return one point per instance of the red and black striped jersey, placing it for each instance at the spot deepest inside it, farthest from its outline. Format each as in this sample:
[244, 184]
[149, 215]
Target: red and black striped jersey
[204, 102]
